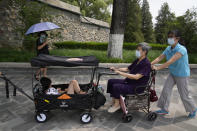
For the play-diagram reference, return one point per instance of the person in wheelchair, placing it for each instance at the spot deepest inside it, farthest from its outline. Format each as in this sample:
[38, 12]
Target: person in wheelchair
[49, 90]
[137, 74]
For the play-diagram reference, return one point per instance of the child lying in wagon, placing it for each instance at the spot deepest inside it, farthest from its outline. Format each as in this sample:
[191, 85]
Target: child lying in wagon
[49, 90]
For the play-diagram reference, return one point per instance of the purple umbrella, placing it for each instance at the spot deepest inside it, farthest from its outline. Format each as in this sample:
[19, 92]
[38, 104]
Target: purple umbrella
[44, 26]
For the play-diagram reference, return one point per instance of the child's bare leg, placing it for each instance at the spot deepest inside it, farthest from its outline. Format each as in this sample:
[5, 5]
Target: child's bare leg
[70, 89]
[77, 88]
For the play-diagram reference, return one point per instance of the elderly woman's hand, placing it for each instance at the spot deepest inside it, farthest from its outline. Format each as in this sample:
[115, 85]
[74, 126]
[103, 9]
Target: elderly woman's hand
[154, 67]
[117, 71]
[112, 68]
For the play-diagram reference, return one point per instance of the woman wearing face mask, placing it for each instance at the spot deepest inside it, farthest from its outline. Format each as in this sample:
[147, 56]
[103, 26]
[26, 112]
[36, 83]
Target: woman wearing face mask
[138, 74]
[177, 62]
[42, 48]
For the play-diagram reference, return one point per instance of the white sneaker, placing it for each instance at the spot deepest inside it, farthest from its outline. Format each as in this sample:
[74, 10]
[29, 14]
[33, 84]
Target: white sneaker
[113, 109]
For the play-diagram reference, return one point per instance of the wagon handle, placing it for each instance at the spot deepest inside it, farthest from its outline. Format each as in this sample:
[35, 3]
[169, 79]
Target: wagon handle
[15, 87]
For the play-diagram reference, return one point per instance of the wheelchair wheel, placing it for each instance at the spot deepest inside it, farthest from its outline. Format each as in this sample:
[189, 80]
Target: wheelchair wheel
[41, 117]
[127, 118]
[152, 116]
[86, 117]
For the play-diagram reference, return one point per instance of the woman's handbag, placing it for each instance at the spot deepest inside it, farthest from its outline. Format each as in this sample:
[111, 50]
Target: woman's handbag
[153, 94]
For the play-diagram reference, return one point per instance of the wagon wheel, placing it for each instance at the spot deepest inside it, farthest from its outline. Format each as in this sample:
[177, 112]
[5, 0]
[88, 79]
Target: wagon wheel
[41, 117]
[127, 118]
[152, 116]
[86, 117]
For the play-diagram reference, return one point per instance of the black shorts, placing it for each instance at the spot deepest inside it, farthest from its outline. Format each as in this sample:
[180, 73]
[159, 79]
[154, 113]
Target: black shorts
[46, 53]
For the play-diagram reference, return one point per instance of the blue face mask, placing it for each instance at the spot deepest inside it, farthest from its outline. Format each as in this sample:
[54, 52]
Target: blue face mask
[171, 41]
[43, 38]
[137, 54]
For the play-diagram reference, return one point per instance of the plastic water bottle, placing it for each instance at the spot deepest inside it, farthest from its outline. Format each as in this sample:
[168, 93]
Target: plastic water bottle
[100, 89]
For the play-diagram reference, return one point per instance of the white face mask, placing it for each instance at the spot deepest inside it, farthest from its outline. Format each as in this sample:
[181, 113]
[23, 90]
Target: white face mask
[171, 41]
[137, 54]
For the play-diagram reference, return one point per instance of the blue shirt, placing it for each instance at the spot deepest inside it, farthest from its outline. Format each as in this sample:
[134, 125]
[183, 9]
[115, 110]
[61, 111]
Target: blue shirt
[179, 68]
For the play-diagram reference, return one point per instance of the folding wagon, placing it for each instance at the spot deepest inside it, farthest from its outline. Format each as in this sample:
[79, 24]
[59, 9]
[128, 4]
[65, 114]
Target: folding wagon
[45, 103]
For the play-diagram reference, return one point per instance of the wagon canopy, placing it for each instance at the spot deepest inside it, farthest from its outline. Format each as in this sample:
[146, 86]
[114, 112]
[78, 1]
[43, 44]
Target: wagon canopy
[48, 60]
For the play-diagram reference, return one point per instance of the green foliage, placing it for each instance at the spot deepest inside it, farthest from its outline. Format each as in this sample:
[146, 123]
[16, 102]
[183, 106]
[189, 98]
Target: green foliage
[164, 20]
[190, 30]
[29, 43]
[147, 24]
[187, 25]
[97, 9]
[30, 12]
[133, 30]
[100, 46]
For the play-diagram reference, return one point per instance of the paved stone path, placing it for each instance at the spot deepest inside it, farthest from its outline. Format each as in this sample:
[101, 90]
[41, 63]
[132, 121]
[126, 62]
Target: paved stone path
[17, 113]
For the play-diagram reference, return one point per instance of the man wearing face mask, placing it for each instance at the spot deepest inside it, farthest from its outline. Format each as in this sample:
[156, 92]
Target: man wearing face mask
[177, 62]
[42, 48]
[137, 74]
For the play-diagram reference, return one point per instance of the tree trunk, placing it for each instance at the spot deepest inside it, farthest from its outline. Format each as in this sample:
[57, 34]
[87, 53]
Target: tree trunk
[116, 37]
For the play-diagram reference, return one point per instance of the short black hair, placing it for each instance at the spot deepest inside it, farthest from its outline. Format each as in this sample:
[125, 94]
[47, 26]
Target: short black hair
[42, 32]
[176, 33]
[45, 82]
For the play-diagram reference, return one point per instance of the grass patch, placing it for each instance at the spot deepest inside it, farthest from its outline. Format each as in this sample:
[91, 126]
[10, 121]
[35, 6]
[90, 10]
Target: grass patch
[128, 55]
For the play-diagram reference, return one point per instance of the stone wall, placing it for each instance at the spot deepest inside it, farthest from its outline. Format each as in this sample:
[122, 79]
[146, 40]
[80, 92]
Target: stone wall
[74, 26]
[9, 19]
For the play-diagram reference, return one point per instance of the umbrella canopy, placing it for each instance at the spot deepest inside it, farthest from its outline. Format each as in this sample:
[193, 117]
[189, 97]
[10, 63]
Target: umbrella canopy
[44, 26]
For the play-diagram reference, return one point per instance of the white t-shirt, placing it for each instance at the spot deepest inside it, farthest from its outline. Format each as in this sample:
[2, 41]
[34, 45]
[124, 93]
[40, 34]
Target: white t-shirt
[52, 91]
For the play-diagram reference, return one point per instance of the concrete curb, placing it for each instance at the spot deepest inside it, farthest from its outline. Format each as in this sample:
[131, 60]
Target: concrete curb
[27, 65]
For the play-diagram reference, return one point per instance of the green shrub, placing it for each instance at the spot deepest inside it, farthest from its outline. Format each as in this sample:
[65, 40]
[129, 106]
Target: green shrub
[29, 43]
[100, 46]
[81, 45]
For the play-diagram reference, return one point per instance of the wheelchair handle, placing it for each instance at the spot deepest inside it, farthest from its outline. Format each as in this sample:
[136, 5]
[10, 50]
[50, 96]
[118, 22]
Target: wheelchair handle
[103, 68]
[105, 73]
